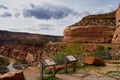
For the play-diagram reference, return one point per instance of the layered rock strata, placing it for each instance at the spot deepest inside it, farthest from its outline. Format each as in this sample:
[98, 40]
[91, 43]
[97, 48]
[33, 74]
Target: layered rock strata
[92, 29]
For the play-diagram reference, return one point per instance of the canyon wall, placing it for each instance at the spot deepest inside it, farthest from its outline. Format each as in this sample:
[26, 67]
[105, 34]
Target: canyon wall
[92, 29]
[116, 37]
[89, 34]
[25, 46]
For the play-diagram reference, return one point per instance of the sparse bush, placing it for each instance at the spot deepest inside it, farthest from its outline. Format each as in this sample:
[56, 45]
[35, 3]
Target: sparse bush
[70, 49]
[21, 60]
[101, 52]
[75, 48]
[4, 61]
[50, 78]
[59, 58]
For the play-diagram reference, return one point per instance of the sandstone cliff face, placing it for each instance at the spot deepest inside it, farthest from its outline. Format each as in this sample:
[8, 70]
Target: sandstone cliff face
[92, 29]
[116, 37]
[89, 34]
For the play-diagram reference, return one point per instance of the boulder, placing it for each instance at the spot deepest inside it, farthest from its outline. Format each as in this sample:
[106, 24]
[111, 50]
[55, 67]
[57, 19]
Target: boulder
[18, 75]
[93, 61]
[30, 57]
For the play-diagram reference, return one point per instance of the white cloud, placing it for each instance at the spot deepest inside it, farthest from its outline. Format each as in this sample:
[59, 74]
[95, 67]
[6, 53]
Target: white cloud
[17, 22]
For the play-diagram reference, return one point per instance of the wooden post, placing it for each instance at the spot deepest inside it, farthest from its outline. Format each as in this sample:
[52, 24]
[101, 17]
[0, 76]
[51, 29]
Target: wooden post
[107, 54]
[41, 71]
[53, 71]
[74, 66]
[65, 66]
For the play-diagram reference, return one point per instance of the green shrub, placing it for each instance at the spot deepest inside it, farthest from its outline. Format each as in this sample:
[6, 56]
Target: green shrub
[101, 52]
[50, 78]
[46, 71]
[59, 58]
[4, 61]
[21, 60]
[70, 49]
[75, 48]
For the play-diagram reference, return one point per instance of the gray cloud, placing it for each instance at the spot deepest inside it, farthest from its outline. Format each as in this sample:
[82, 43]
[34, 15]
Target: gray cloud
[48, 12]
[6, 14]
[3, 7]
[46, 27]
[17, 15]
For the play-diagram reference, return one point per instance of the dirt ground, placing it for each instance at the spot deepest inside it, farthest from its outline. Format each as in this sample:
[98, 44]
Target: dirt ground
[108, 72]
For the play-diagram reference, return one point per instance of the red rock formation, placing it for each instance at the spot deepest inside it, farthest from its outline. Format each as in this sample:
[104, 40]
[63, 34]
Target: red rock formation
[29, 51]
[90, 34]
[18, 75]
[92, 29]
[116, 37]
[93, 61]
[20, 45]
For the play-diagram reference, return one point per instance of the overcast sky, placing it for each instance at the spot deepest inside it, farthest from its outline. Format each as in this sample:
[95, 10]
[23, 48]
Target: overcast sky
[48, 16]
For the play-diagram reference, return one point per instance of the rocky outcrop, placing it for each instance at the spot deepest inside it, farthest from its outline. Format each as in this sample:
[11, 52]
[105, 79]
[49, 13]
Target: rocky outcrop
[116, 37]
[18, 75]
[92, 29]
[89, 34]
[29, 50]
[93, 61]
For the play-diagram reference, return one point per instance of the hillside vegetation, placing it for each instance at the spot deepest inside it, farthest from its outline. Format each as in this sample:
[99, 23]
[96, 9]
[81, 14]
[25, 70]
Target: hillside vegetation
[107, 19]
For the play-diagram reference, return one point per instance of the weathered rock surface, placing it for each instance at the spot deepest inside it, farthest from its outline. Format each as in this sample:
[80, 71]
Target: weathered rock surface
[18, 75]
[93, 61]
[93, 29]
[90, 34]
[29, 51]
[116, 37]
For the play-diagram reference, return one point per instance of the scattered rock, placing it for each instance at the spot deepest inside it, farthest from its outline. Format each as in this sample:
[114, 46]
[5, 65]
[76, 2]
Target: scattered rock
[30, 57]
[32, 73]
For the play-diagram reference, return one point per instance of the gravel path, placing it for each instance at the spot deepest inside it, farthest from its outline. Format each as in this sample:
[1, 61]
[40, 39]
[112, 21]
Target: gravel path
[102, 73]
[67, 77]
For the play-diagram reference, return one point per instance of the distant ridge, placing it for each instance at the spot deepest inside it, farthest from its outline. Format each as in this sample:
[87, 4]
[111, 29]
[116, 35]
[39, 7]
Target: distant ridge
[7, 35]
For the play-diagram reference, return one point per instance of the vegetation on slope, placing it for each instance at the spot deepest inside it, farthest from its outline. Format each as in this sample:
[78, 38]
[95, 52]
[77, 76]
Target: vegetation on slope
[107, 19]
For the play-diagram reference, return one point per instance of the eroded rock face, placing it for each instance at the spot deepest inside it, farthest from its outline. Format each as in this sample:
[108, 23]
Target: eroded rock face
[116, 37]
[92, 29]
[29, 51]
[90, 34]
[25, 46]
[18, 75]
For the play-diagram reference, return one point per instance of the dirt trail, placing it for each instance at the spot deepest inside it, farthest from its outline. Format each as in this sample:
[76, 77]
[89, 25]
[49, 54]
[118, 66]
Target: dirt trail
[11, 61]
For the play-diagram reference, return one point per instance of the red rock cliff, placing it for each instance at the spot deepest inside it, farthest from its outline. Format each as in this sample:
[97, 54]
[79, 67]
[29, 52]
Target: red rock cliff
[92, 29]
[116, 37]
